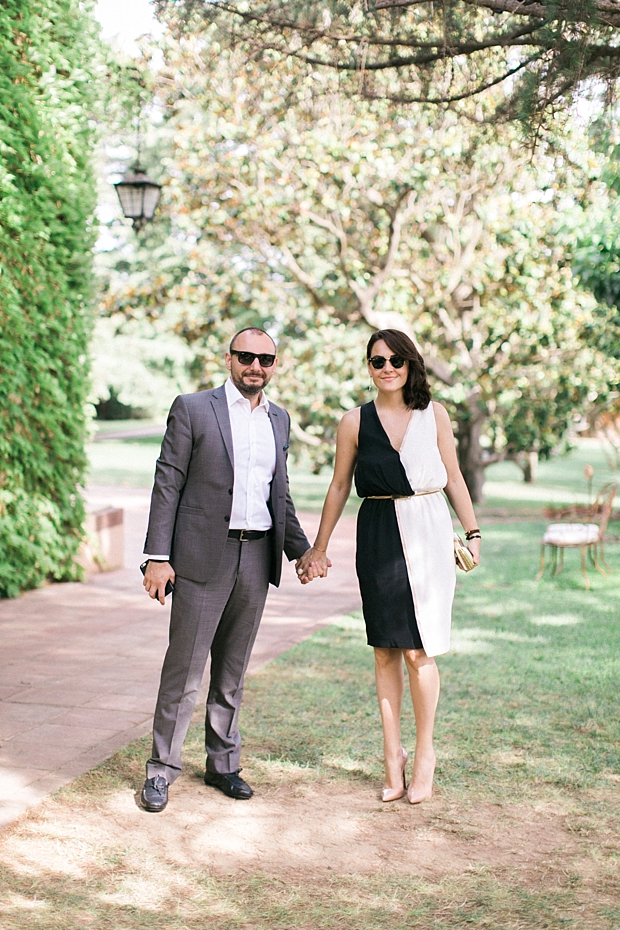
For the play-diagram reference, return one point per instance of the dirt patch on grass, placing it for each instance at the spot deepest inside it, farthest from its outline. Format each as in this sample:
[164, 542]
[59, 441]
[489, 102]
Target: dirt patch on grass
[294, 830]
[304, 853]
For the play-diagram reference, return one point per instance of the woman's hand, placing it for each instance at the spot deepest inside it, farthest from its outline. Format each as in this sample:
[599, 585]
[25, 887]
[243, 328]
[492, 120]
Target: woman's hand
[474, 547]
[313, 564]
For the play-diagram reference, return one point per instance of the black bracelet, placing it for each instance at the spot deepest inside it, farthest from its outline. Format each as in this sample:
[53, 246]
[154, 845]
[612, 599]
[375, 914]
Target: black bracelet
[473, 534]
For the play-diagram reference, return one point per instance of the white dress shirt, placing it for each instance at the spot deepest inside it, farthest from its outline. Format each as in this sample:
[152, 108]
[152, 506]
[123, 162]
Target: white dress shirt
[254, 455]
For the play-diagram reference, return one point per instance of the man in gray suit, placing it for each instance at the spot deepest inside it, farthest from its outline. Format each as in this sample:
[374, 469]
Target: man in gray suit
[221, 516]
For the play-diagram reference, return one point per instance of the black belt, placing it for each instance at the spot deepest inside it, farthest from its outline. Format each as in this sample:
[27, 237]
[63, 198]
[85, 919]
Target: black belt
[244, 535]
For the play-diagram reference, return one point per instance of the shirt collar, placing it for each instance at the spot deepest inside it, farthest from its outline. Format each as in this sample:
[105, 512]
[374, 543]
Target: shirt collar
[234, 395]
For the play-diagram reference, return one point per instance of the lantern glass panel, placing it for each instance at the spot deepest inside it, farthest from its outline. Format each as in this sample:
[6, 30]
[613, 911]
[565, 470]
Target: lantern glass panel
[131, 197]
[151, 199]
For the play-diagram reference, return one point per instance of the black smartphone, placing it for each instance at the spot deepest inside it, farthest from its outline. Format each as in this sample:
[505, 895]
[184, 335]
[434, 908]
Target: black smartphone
[169, 585]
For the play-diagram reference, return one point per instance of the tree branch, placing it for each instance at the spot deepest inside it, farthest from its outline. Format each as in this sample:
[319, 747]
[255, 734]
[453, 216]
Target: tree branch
[465, 95]
[368, 294]
[301, 276]
[303, 436]
[607, 12]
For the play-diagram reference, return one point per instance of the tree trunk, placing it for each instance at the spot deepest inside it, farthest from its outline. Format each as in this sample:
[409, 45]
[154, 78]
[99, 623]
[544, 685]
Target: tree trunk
[470, 454]
[528, 463]
[530, 472]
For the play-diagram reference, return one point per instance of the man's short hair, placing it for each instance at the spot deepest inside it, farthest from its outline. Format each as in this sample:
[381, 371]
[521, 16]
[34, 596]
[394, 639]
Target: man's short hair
[251, 329]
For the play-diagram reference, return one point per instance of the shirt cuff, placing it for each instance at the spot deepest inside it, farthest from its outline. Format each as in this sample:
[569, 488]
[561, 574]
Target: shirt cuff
[156, 558]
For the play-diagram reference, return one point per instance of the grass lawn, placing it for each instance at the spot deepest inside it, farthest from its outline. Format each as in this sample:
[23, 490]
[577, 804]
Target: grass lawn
[131, 463]
[521, 834]
[522, 831]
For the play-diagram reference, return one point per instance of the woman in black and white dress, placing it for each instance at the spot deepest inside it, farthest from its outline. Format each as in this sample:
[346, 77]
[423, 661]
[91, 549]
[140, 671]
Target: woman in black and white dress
[400, 448]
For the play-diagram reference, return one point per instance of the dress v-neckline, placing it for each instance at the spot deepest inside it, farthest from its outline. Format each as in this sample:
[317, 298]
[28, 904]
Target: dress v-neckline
[385, 432]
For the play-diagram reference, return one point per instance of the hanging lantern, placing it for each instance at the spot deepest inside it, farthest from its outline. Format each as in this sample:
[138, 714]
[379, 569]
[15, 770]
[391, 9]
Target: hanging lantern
[138, 195]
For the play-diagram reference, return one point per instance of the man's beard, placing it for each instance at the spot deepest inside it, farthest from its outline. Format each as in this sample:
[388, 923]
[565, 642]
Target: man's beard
[249, 390]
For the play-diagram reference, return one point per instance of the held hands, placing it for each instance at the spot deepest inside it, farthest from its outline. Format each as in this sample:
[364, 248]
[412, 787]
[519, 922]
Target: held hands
[313, 564]
[156, 577]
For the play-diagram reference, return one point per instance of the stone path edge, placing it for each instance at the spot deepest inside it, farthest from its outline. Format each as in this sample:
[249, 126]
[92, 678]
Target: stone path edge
[72, 654]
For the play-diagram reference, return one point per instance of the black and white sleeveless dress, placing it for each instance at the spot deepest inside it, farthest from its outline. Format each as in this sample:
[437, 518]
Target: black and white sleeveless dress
[405, 553]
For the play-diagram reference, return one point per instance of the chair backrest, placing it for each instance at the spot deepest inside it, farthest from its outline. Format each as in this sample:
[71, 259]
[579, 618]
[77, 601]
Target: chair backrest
[603, 505]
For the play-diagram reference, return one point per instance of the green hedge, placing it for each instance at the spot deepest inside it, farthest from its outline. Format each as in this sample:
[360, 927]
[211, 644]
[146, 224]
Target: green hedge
[48, 50]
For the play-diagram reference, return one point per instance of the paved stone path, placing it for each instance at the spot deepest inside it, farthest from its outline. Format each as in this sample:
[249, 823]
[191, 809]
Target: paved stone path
[80, 662]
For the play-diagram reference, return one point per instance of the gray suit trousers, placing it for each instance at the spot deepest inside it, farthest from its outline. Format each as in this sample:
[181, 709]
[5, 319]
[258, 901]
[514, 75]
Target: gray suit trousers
[222, 617]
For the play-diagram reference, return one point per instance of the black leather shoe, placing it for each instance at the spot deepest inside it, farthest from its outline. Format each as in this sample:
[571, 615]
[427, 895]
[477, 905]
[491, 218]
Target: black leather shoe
[230, 784]
[154, 795]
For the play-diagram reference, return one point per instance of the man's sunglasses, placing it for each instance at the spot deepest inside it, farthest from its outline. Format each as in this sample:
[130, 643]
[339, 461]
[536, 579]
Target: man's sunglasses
[378, 361]
[247, 358]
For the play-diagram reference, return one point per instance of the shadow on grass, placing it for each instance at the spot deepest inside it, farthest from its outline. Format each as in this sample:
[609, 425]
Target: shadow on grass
[528, 721]
[186, 900]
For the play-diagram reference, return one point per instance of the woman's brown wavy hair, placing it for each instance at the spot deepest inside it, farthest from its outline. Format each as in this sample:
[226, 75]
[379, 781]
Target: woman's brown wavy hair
[416, 392]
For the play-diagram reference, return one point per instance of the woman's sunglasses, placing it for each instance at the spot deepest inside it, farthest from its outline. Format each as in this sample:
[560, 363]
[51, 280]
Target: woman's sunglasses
[378, 361]
[247, 358]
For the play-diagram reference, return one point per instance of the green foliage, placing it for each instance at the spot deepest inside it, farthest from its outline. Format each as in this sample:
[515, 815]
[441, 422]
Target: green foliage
[138, 364]
[46, 198]
[596, 257]
[287, 205]
[447, 54]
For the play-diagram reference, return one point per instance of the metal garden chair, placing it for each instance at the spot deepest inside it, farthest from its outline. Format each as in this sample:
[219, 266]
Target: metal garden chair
[587, 537]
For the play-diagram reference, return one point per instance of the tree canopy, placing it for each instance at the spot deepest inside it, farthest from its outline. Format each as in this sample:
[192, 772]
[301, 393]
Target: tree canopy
[540, 51]
[325, 220]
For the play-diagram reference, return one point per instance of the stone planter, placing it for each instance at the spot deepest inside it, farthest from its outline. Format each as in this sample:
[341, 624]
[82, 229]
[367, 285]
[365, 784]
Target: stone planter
[104, 545]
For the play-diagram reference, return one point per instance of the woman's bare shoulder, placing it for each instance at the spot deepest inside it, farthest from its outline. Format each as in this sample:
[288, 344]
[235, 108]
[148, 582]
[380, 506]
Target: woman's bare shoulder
[441, 414]
[352, 416]
[350, 423]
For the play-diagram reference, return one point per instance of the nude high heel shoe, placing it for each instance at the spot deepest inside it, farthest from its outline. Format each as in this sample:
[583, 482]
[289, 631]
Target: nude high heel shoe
[425, 792]
[394, 794]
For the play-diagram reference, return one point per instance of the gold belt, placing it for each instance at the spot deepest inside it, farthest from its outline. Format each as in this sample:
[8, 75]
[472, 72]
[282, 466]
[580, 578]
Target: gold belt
[398, 497]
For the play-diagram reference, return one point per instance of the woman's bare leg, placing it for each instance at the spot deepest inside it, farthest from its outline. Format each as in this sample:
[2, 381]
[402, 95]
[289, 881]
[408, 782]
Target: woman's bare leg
[424, 685]
[390, 679]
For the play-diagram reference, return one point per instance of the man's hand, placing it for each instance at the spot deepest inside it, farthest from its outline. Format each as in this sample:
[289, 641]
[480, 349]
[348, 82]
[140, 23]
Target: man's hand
[313, 564]
[156, 577]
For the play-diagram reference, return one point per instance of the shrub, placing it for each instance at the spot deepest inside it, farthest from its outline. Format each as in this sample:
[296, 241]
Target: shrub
[47, 190]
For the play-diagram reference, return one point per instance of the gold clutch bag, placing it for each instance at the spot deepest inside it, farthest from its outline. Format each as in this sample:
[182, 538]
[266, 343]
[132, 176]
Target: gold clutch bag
[464, 558]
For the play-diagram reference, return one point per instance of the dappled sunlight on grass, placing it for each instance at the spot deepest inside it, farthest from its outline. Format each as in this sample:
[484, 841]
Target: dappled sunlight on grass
[381, 902]
[511, 757]
[522, 831]
[352, 622]
[495, 609]
[462, 643]
[557, 620]
[495, 491]
[475, 639]
[349, 765]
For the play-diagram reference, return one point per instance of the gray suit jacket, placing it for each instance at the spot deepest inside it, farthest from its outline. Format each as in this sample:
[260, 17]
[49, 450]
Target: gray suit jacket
[192, 494]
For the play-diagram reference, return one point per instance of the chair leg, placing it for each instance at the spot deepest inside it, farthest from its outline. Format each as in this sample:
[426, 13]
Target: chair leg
[583, 567]
[594, 557]
[554, 560]
[542, 564]
[603, 558]
[560, 561]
